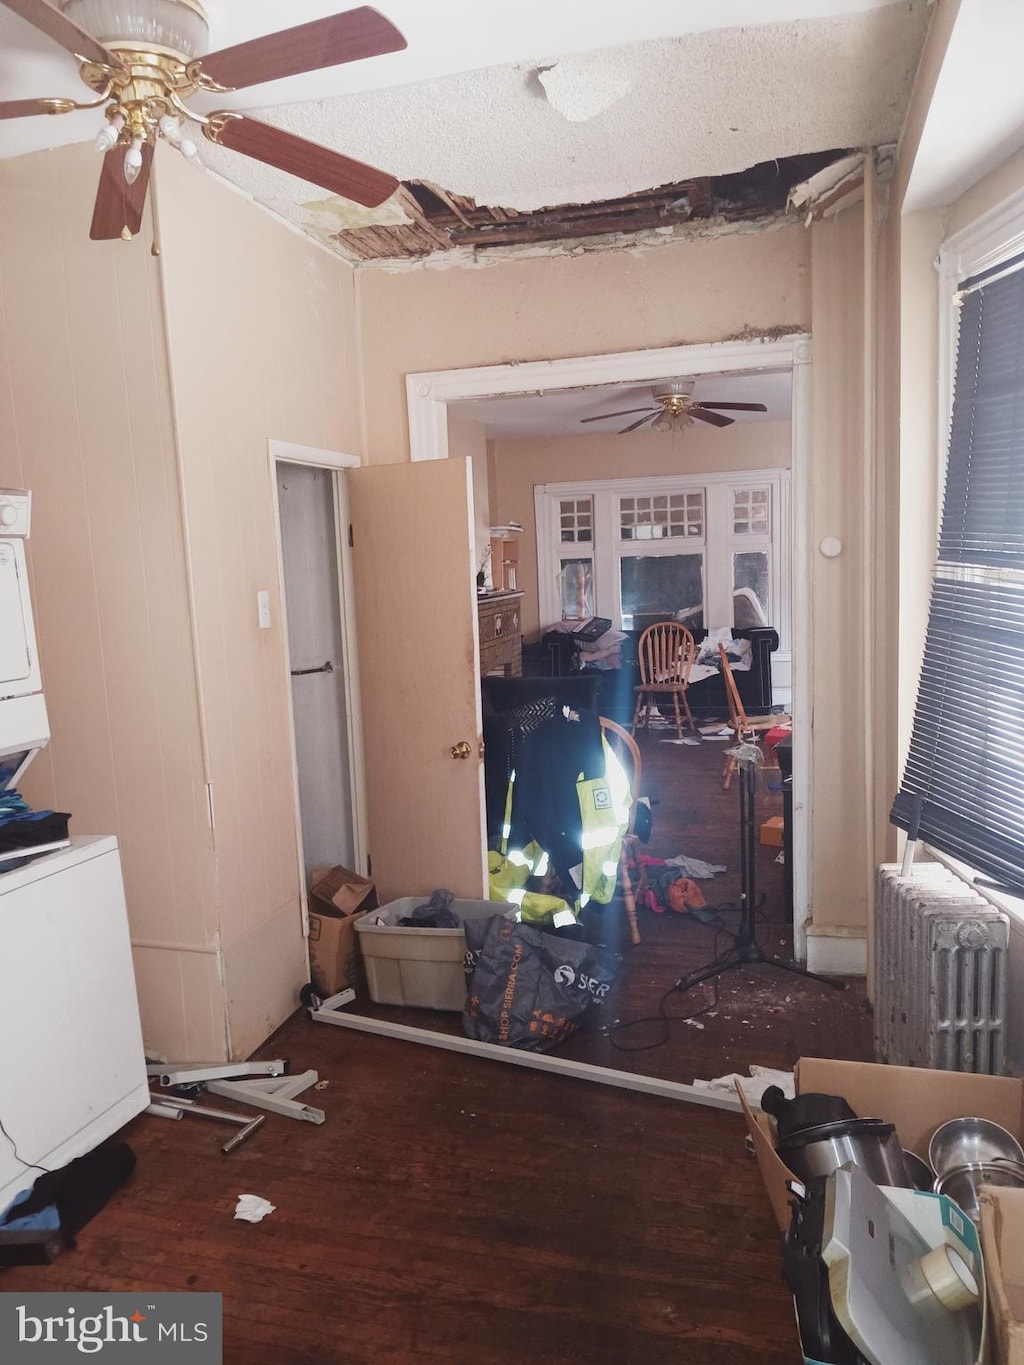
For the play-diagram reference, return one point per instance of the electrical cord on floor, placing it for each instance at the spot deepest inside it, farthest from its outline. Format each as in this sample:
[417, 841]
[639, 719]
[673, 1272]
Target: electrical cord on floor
[667, 1020]
[17, 1155]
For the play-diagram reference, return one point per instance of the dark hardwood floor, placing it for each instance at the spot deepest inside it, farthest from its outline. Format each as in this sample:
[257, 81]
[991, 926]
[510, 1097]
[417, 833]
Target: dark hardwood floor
[467, 1213]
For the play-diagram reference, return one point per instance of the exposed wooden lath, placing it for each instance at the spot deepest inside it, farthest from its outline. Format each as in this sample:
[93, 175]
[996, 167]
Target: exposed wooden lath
[441, 221]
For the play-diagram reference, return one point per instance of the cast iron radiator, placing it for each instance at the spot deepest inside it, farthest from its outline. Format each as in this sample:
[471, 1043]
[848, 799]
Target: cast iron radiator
[940, 972]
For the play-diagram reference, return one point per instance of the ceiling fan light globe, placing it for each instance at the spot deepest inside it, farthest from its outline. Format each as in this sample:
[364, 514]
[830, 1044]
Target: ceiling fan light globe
[177, 26]
[106, 138]
[133, 162]
[190, 152]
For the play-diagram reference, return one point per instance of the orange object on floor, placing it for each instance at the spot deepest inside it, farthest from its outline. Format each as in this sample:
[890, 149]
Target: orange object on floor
[684, 895]
[771, 832]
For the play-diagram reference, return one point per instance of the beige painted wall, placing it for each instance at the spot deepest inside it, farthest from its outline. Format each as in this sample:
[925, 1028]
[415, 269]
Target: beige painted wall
[85, 423]
[518, 465]
[839, 589]
[697, 290]
[701, 289]
[145, 566]
[262, 346]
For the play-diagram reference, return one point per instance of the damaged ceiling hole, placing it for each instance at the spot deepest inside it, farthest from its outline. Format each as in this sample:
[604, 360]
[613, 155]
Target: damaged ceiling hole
[441, 221]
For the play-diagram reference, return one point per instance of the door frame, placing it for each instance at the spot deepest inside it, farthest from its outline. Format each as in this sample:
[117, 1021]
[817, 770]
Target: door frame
[429, 393]
[336, 463]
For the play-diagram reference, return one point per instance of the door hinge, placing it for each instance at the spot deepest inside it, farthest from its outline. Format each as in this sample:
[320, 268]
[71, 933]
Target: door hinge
[351, 538]
[369, 866]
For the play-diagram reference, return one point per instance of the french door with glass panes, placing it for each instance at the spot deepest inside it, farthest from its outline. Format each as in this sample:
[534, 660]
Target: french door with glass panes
[710, 550]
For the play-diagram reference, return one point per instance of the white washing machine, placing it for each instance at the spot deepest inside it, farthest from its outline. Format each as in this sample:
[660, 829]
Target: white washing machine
[72, 1069]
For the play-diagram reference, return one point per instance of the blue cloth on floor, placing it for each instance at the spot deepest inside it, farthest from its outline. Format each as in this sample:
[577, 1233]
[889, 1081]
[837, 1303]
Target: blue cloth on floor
[46, 1219]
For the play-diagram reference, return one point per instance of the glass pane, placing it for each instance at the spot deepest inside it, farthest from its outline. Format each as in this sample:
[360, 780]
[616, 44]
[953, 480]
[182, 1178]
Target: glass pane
[575, 518]
[751, 510]
[661, 585]
[576, 582]
[750, 589]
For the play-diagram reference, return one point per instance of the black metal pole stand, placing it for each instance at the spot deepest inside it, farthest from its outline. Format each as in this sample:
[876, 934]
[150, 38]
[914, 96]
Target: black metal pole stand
[745, 950]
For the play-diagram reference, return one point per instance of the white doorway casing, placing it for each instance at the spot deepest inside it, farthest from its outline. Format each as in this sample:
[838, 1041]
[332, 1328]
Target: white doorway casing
[429, 394]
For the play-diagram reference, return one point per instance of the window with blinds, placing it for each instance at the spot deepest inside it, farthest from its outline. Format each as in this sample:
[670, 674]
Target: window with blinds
[964, 775]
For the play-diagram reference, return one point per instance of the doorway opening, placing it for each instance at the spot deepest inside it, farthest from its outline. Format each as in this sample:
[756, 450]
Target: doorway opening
[429, 396]
[311, 500]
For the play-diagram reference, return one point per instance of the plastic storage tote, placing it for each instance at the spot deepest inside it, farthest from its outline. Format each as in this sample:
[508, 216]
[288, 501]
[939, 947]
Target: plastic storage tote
[420, 967]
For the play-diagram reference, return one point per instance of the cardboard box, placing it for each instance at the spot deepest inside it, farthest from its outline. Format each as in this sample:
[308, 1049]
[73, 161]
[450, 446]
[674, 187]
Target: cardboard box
[771, 832]
[915, 1099]
[1002, 1246]
[338, 898]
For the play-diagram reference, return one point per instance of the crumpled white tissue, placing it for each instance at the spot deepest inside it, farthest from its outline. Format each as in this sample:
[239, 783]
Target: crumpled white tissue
[251, 1208]
[754, 1085]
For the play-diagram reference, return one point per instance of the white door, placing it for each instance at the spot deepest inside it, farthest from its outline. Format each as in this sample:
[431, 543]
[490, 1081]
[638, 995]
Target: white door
[316, 649]
[418, 660]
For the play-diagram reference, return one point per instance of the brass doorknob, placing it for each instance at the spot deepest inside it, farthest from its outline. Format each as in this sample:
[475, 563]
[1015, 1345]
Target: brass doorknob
[461, 750]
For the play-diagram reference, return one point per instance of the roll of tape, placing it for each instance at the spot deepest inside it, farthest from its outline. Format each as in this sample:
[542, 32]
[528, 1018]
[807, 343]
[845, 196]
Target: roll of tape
[949, 1278]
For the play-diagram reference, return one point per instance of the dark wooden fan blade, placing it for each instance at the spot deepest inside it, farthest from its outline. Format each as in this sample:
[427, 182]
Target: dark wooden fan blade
[734, 407]
[339, 38]
[118, 204]
[603, 416]
[715, 418]
[49, 20]
[25, 108]
[633, 425]
[273, 146]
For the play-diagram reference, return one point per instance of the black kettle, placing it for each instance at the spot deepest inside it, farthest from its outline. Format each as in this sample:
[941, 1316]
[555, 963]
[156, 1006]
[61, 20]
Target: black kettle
[805, 1111]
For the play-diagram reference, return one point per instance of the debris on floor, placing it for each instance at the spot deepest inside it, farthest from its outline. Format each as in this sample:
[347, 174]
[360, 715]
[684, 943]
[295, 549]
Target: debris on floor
[695, 867]
[251, 1208]
[754, 1085]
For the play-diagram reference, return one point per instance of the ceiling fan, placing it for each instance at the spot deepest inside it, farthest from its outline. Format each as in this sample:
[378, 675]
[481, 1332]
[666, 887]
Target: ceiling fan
[676, 408]
[142, 59]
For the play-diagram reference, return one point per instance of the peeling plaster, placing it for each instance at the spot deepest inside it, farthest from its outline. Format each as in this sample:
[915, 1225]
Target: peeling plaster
[580, 88]
[334, 214]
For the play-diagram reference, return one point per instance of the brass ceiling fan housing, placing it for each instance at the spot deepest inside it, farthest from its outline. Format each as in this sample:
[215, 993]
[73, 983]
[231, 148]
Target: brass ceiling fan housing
[144, 59]
[676, 408]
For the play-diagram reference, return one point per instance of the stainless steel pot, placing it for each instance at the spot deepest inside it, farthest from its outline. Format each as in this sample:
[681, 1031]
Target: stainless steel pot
[868, 1143]
[962, 1183]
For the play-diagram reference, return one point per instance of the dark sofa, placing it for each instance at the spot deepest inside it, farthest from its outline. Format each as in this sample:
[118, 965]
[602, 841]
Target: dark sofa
[616, 697]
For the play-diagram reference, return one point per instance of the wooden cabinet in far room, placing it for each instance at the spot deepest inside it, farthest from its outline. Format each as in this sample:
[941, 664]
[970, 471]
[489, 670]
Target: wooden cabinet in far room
[499, 617]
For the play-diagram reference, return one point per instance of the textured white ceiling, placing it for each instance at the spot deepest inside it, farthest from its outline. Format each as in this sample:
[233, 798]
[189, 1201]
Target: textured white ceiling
[560, 413]
[529, 104]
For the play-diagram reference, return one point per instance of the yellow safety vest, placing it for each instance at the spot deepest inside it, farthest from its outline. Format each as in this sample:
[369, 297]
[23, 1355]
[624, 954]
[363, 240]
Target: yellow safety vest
[604, 814]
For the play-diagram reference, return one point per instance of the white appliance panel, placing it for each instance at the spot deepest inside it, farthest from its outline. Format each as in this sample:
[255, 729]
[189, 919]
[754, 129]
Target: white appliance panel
[71, 1057]
[17, 647]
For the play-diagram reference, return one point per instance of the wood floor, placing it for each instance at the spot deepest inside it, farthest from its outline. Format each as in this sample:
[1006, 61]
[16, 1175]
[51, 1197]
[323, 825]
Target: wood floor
[461, 1211]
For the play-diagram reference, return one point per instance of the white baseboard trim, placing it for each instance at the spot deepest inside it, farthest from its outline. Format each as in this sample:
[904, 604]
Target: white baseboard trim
[835, 951]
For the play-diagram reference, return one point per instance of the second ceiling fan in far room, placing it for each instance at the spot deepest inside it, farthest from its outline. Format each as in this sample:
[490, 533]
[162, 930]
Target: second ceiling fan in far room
[675, 408]
[142, 59]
